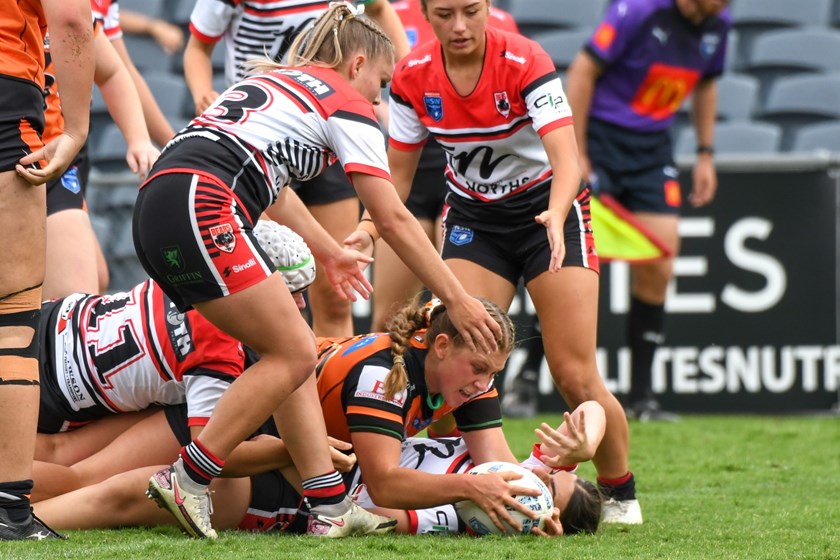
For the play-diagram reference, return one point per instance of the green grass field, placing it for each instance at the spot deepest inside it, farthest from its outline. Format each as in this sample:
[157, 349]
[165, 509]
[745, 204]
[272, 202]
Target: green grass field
[711, 487]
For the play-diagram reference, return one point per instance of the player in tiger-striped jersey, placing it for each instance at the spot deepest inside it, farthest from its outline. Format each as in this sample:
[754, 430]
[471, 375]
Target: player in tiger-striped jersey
[517, 208]
[259, 28]
[25, 164]
[380, 388]
[205, 192]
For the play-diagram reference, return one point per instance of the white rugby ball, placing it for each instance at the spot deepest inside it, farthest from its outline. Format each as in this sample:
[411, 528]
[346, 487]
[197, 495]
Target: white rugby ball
[289, 253]
[480, 523]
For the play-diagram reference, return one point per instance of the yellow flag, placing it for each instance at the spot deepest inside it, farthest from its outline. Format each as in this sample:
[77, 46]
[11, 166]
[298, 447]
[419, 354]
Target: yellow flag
[619, 235]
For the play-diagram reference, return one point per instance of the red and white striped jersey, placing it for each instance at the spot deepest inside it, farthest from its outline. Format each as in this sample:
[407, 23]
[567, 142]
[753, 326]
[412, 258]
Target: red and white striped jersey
[492, 137]
[108, 11]
[293, 123]
[131, 350]
[253, 28]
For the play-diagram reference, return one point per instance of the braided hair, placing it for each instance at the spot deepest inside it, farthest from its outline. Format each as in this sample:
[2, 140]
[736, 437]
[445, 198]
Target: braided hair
[433, 317]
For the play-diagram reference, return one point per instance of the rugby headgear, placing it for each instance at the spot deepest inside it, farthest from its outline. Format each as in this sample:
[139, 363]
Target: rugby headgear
[288, 252]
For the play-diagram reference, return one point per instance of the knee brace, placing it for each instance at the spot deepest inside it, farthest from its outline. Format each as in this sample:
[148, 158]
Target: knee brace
[19, 365]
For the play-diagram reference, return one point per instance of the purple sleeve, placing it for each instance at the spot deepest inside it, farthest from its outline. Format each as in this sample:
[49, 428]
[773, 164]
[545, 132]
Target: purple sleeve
[618, 29]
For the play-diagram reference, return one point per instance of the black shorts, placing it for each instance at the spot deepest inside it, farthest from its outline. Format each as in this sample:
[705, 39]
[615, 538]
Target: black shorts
[68, 191]
[504, 238]
[193, 237]
[429, 189]
[636, 168]
[21, 120]
[330, 186]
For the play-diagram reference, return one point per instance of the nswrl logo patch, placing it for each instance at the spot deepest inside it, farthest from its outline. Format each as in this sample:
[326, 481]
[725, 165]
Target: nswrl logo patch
[460, 235]
[434, 105]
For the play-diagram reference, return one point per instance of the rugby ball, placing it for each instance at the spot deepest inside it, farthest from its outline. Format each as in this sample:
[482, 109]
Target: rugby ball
[479, 522]
[288, 252]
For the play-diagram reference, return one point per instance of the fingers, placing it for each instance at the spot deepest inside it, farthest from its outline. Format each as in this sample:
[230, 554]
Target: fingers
[339, 444]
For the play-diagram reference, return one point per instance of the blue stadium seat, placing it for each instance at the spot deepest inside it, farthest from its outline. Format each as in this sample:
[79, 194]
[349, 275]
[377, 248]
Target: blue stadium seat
[153, 8]
[783, 53]
[562, 45]
[107, 154]
[534, 16]
[797, 101]
[753, 17]
[820, 136]
[169, 91]
[146, 54]
[737, 96]
[180, 14]
[737, 137]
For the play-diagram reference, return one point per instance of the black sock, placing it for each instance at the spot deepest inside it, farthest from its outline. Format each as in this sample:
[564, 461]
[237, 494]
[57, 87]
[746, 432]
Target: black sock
[645, 333]
[623, 488]
[14, 498]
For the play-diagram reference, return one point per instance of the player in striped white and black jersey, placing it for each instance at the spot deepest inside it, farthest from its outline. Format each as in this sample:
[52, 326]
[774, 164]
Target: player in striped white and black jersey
[259, 28]
[202, 198]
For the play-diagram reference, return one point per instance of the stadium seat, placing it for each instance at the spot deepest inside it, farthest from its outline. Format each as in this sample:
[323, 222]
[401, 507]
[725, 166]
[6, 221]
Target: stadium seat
[180, 15]
[739, 137]
[753, 17]
[146, 54]
[820, 136]
[737, 97]
[107, 154]
[562, 46]
[534, 16]
[169, 91]
[153, 8]
[797, 101]
[783, 53]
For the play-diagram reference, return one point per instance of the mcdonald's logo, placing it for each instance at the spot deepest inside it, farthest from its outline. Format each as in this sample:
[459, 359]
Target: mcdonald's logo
[663, 91]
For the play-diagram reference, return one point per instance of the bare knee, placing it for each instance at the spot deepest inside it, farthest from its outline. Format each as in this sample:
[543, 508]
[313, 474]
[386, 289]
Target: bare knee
[579, 382]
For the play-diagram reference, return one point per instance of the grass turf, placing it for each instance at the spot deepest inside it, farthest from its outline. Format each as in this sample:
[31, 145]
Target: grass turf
[710, 487]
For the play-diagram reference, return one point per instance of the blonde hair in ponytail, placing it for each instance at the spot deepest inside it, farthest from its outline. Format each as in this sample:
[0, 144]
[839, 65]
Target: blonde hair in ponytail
[434, 318]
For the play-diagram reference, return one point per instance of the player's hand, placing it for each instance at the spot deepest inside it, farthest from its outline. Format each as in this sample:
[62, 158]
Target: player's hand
[58, 153]
[478, 329]
[168, 36]
[344, 271]
[205, 100]
[494, 492]
[140, 158]
[343, 462]
[569, 448]
[553, 527]
[704, 178]
[553, 222]
[360, 241]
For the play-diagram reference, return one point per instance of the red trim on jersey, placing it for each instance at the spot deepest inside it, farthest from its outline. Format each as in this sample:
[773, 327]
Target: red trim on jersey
[565, 121]
[198, 421]
[202, 37]
[353, 167]
[456, 462]
[148, 322]
[413, 522]
[405, 146]
[484, 137]
[273, 85]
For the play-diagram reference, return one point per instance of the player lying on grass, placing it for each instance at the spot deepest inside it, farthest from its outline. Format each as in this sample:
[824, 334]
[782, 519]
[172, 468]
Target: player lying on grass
[105, 358]
[271, 501]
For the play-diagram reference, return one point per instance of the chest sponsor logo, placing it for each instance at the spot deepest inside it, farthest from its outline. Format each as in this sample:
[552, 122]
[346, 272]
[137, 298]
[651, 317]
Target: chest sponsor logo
[502, 103]
[223, 237]
[461, 235]
[372, 386]
[360, 344]
[434, 106]
[663, 91]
